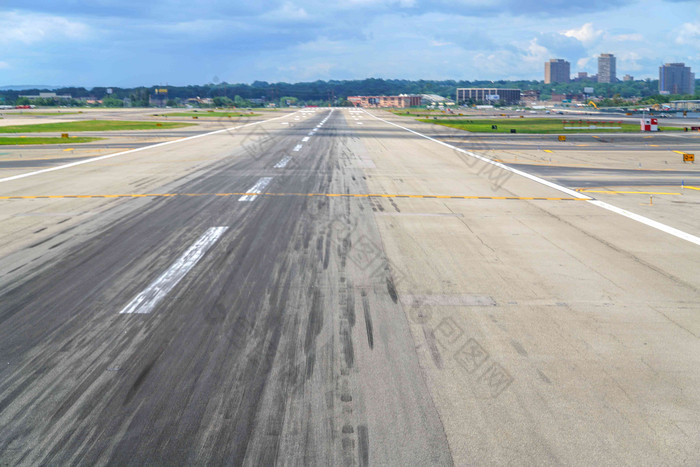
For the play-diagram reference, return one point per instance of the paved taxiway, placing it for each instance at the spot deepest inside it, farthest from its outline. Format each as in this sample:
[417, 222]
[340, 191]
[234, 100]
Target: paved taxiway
[228, 299]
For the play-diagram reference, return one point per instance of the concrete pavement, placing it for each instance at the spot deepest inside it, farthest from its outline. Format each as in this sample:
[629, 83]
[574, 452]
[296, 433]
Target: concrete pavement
[320, 327]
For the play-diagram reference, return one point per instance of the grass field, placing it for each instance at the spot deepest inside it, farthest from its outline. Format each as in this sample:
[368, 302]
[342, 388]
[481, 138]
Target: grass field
[537, 126]
[421, 112]
[209, 114]
[14, 140]
[30, 114]
[90, 125]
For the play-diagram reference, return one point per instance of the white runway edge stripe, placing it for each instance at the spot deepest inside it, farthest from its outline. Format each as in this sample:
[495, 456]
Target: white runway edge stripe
[257, 188]
[131, 151]
[147, 300]
[650, 222]
[644, 220]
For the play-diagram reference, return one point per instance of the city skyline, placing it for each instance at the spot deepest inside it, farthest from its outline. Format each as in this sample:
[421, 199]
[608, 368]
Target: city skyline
[175, 42]
[674, 78]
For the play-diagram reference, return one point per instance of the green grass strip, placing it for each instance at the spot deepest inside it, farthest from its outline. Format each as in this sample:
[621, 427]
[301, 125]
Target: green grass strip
[90, 125]
[539, 125]
[30, 114]
[18, 141]
[208, 114]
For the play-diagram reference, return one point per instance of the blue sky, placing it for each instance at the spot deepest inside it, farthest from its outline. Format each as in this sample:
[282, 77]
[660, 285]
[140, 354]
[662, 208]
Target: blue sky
[129, 43]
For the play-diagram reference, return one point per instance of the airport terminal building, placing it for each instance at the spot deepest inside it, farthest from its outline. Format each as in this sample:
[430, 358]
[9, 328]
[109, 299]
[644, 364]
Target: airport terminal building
[488, 96]
[400, 101]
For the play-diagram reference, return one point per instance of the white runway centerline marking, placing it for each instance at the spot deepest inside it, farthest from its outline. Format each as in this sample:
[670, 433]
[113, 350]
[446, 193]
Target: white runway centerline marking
[304, 139]
[311, 133]
[257, 188]
[283, 163]
[297, 148]
[154, 293]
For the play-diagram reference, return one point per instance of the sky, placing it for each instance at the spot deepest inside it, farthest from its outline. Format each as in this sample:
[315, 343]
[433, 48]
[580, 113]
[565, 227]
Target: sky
[128, 43]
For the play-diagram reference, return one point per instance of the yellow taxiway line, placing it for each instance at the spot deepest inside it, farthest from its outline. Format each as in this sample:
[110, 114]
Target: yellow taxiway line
[344, 195]
[616, 192]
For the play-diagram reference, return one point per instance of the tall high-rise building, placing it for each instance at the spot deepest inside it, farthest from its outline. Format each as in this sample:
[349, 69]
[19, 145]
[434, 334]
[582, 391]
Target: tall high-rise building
[676, 78]
[607, 69]
[557, 70]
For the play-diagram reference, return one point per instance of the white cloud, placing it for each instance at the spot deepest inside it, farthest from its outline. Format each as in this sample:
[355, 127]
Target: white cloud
[196, 28]
[629, 37]
[295, 40]
[287, 12]
[536, 53]
[520, 60]
[32, 28]
[375, 3]
[477, 3]
[689, 34]
[630, 61]
[586, 33]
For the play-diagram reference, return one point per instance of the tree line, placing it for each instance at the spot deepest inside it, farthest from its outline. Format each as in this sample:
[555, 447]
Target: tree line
[323, 92]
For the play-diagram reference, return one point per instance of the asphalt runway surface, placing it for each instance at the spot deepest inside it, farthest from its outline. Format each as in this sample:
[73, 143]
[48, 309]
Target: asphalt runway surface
[584, 177]
[330, 289]
[252, 361]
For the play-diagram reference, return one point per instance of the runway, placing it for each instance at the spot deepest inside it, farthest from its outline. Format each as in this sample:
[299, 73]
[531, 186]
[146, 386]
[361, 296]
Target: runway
[345, 287]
